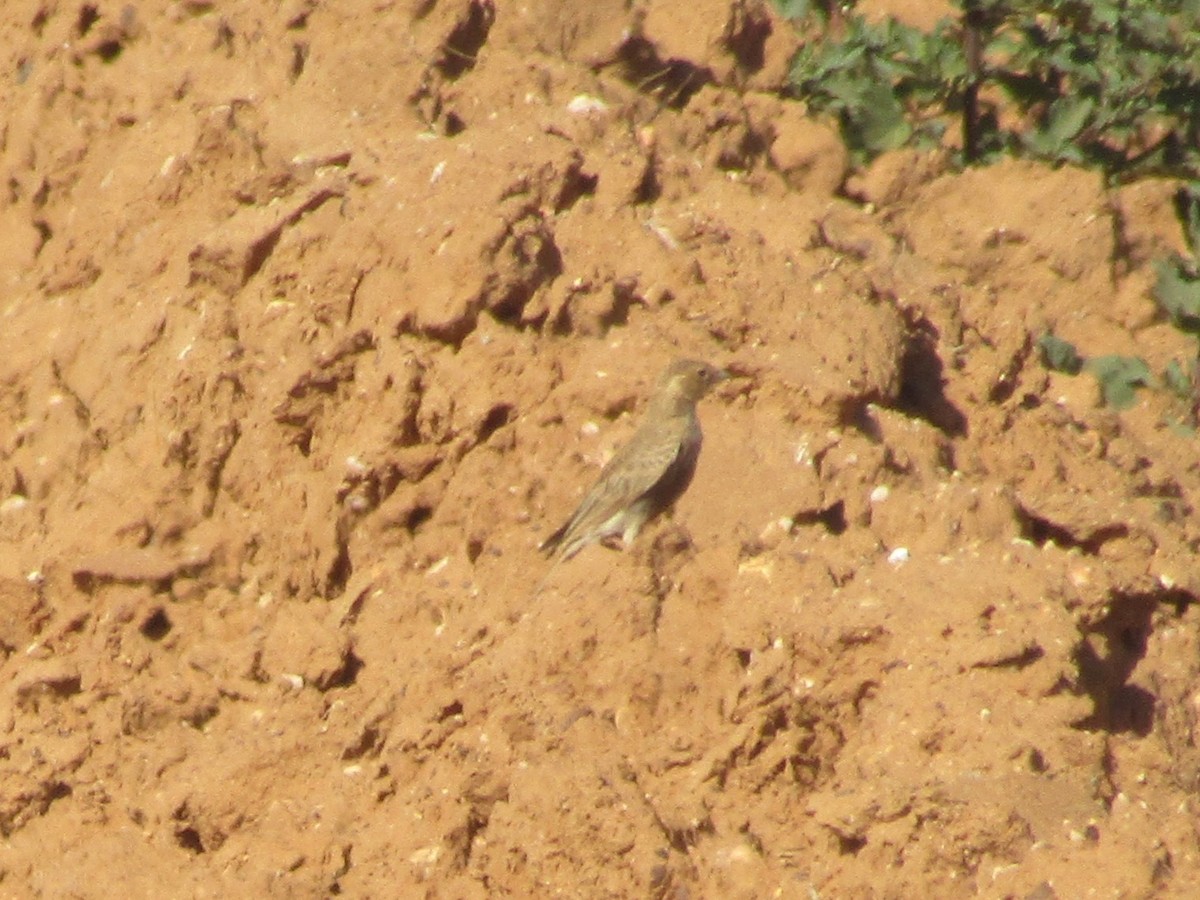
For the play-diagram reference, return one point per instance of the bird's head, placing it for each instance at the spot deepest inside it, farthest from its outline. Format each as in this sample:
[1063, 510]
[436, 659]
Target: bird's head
[689, 379]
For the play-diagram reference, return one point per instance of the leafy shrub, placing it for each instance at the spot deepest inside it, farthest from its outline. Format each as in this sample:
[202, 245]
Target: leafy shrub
[1108, 83]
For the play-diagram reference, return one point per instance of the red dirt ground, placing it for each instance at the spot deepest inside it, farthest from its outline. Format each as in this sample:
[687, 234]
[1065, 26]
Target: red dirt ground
[316, 317]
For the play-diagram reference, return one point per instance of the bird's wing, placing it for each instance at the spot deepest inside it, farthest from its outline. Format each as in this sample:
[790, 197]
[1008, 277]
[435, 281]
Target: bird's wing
[635, 469]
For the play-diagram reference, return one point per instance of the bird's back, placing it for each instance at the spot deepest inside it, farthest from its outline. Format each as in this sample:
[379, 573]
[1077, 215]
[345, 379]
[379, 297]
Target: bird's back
[646, 476]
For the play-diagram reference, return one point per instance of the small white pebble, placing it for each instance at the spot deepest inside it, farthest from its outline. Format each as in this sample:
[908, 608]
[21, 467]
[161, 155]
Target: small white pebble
[663, 234]
[295, 682]
[438, 171]
[899, 556]
[881, 493]
[589, 429]
[426, 856]
[584, 104]
[738, 854]
[355, 466]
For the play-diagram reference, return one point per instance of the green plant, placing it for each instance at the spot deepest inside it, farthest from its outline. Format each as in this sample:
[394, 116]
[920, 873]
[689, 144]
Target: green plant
[1108, 83]
[882, 81]
[1060, 355]
[1177, 287]
[1120, 377]
[1177, 292]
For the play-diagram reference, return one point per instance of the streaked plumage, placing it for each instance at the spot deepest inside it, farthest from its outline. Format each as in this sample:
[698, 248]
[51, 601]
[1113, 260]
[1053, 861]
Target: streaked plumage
[649, 473]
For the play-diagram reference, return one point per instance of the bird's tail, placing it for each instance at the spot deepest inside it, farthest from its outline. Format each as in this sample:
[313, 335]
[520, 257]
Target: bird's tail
[551, 544]
[537, 591]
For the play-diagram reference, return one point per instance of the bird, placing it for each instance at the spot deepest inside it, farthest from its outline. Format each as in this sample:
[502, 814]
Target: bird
[650, 472]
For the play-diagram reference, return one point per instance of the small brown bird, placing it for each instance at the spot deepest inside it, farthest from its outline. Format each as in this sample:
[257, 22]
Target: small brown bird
[649, 473]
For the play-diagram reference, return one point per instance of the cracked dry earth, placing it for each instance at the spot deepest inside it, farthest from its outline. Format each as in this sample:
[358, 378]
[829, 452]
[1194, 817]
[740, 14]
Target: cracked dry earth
[317, 317]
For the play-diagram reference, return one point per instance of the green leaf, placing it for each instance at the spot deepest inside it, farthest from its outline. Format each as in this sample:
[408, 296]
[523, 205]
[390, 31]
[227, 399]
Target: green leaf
[793, 9]
[1059, 355]
[1154, 27]
[1106, 14]
[845, 91]
[1189, 203]
[844, 56]
[1177, 380]
[1177, 294]
[1068, 115]
[1120, 377]
[879, 124]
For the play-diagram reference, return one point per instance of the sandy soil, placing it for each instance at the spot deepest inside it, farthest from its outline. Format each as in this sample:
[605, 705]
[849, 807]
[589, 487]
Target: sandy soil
[316, 317]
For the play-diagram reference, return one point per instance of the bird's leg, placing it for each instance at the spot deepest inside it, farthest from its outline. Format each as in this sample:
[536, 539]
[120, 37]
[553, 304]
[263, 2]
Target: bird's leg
[633, 525]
